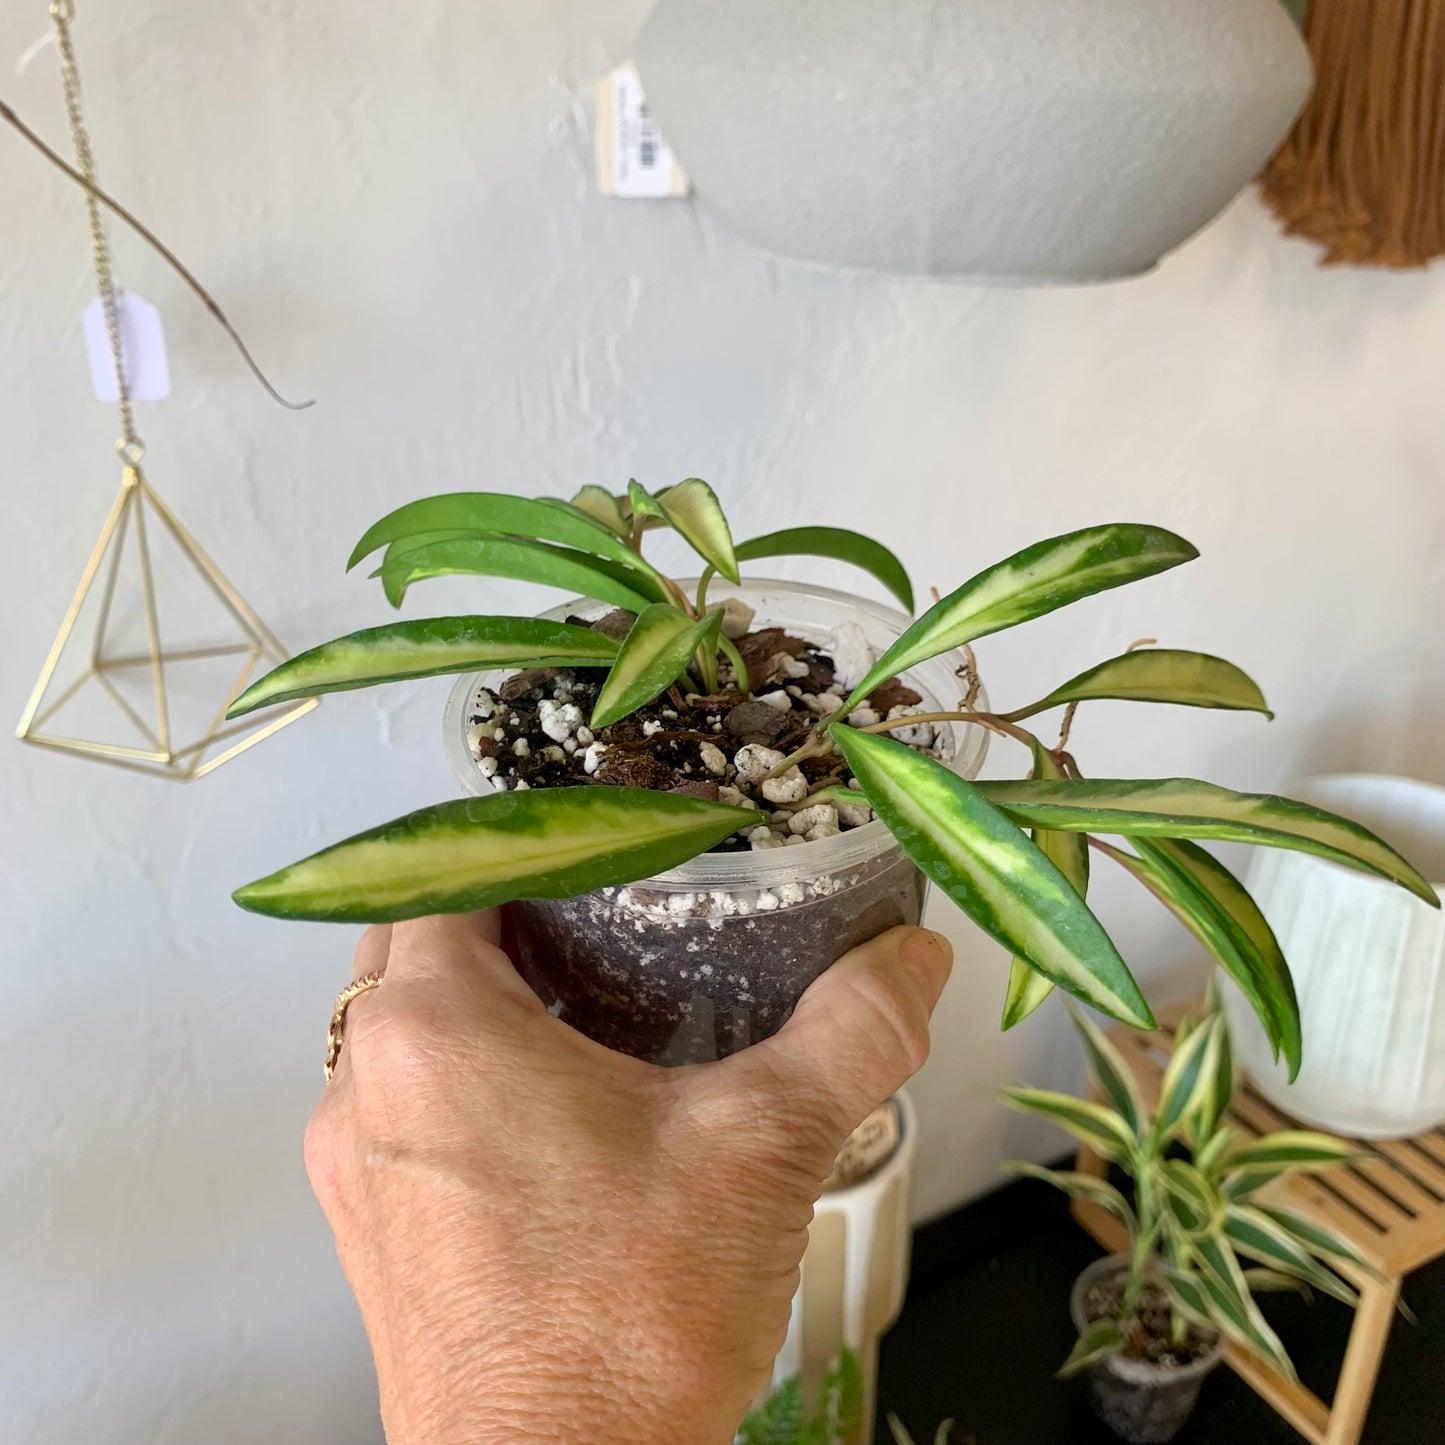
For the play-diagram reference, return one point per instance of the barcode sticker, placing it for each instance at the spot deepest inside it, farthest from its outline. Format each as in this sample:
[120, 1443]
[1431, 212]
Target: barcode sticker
[142, 349]
[633, 160]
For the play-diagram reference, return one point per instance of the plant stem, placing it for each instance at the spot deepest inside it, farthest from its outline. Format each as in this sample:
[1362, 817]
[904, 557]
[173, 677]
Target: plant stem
[703, 583]
[159, 246]
[740, 668]
[992, 721]
[814, 747]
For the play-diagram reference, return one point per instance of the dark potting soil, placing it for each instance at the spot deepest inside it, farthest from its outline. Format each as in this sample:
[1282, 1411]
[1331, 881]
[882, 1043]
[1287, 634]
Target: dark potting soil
[1150, 1334]
[678, 976]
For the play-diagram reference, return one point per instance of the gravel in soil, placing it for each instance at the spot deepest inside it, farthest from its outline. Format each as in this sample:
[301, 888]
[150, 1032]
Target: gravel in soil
[532, 732]
[1150, 1333]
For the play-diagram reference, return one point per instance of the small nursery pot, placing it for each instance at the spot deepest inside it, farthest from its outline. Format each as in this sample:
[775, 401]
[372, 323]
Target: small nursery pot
[713, 955]
[1141, 1402]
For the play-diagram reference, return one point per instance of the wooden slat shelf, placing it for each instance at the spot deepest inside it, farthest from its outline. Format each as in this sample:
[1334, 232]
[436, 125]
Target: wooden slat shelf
[1390, 1206]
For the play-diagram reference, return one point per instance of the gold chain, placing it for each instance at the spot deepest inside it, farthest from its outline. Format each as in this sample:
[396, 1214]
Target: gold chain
[62, 12]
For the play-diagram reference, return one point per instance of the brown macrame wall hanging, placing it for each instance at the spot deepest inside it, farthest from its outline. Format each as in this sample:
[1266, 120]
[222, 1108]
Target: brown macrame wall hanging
[1363, 171]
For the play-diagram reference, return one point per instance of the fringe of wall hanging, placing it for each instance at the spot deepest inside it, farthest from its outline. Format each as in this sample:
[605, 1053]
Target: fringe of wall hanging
[1363, 172]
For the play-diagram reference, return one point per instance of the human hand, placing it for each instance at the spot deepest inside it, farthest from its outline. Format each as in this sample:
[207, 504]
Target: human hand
[550, 1241]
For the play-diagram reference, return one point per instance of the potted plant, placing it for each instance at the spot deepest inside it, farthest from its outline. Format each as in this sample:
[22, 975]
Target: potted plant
[784, 1419]
[1152, 1321]
[781, 768]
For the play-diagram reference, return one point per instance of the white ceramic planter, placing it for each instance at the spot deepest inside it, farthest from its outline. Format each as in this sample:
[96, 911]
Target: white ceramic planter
[1368, 960]
[855, 1273]
[1078, 140]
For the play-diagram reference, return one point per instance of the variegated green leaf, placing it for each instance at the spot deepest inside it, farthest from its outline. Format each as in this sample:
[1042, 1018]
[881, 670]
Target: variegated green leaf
[428, 647]
[1092, 1124]
[519, 518]
[1187, 1296]
[1041, 578]
[992, 871]
[599, 504]
[1234, 930]
[1188, 1077]
[1232, 1307]
[654, 654]
[1113, 1076]
[512, 557]
[1210, 1156]
[1096, 1342]
[1273, 1281]
[1190, 679]
[1069, 852]
[839, 544]
[1196, 1202]
[1078, 1186]
[479, 852]
[1185, 808]
[1254, 1234]
[1316, 1237]
[693, 510]
[1292, 1151]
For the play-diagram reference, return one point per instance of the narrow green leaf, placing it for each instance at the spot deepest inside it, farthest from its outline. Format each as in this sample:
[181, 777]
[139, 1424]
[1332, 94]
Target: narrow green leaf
[599, 504]
[693, 510]
[497, 513]
[1033, 582]
[1246, 948]
[1190, 679]
[1185, 808]
[1187, 1078]
[1113, 1076]
[1092, 1124]
[428, 647]
[1187, 1295]
[392, 582]
[1196, 1202]
[1316, 1237]
[641, 503]
[1293, 1150]
[525, 561]
[479, 852]
[1273, 1281]
[992, 871]
[1210, 1155]
[1078, 1186]
[1232, 1306]
[654, 654]
[1069, 852]
[1256, 1235]
[839, 545]
[1098, 1340]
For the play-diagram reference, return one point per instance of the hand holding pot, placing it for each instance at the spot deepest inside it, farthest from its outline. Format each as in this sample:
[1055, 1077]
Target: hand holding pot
[552, 1242]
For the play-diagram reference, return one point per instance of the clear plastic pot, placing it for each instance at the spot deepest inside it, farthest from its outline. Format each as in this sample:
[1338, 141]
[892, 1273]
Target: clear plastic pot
[713, 955]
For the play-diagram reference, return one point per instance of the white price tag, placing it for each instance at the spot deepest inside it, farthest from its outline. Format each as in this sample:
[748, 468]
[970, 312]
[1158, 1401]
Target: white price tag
[142, 348]
[633, 160]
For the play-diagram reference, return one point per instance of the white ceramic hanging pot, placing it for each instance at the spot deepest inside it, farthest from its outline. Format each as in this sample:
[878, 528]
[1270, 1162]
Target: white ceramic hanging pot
[1369, 965]
[1078, 140]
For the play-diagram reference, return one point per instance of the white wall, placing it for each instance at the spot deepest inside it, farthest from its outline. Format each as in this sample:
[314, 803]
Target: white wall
[395, 204]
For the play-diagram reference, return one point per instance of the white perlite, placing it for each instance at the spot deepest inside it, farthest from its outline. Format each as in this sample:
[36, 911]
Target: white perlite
[779, 701]
[559, 720]
[713, 759]
[852, 654]
[483, 705]
[823, 704]
[592, 759]
[737, 618]
[792, 787]
[920, 736]
[854, 815]
[807, 818]
[754, 762]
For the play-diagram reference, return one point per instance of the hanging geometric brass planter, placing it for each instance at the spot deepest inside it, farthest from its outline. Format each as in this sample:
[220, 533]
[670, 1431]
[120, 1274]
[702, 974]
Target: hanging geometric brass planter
[128, 680]
[156, 644]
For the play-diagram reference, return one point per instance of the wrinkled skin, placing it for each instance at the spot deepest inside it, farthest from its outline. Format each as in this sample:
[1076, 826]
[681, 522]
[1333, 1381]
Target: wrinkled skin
[552, 1242]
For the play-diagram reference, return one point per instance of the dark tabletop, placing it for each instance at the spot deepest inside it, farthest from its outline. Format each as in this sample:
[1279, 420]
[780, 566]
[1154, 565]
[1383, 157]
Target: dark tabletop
[986, 1324]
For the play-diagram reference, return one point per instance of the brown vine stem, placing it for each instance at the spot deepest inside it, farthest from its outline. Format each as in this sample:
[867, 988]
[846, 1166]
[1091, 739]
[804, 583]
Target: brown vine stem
[151, 239]
[983, 719]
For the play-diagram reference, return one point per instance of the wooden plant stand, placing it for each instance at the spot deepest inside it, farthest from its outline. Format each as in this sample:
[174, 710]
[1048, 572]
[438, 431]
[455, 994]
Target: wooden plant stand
[1391, 1208]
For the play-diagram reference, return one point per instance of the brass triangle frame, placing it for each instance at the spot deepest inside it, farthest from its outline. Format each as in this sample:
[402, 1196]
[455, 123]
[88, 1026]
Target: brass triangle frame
[163, 757]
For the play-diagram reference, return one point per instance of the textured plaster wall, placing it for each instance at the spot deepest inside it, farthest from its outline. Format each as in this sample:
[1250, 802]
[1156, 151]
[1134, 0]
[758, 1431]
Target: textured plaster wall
[395, 204]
